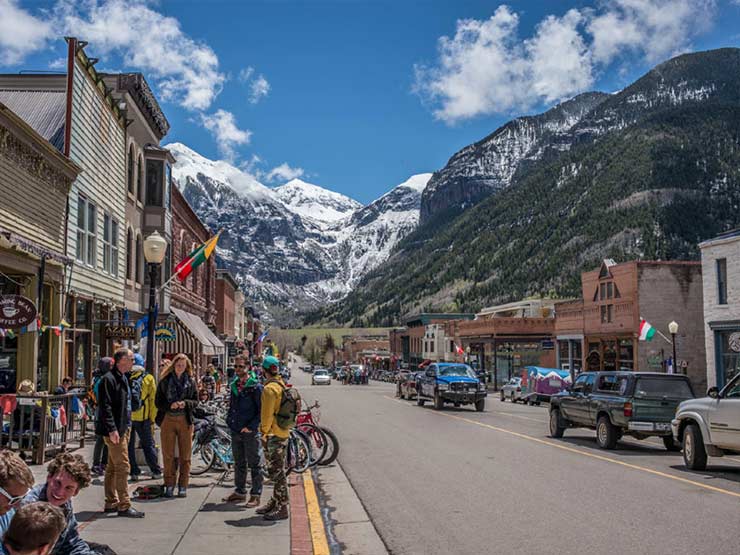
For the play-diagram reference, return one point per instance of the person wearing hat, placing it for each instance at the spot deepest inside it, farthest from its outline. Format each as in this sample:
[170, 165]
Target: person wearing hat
[143, 415]
[275, 440]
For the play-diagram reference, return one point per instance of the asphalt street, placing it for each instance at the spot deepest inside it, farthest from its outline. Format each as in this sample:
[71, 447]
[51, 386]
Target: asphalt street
[460, 482]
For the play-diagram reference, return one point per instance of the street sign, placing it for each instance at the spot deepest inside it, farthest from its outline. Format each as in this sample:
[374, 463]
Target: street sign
[16, 311]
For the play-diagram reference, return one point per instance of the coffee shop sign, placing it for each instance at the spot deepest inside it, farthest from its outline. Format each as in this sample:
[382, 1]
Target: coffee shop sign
[16, 311]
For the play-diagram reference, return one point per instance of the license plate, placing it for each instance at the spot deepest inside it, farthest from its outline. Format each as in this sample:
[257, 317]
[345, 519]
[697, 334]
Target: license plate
[662, 427]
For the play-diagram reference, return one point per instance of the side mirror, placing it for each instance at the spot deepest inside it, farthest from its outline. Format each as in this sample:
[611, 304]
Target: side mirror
[713, 392]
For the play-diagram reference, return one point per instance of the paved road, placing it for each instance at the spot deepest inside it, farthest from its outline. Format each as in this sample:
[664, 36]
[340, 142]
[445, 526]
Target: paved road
[461, 482]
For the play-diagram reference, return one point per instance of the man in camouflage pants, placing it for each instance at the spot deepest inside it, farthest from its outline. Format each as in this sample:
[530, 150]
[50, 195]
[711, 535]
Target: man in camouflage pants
[275, 440]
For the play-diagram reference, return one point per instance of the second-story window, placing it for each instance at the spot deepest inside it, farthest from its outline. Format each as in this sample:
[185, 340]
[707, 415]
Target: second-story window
[154, 181]
[131, 171]
[721, 281]
[140, 179]
[86, 231]
[129, 252]
[110, 245]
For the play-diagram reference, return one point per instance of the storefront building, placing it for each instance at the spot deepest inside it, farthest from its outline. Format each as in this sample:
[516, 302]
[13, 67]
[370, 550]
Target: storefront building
[35, 179]
[93, 136]
[607, 318]
[407, 343]
[721, 267]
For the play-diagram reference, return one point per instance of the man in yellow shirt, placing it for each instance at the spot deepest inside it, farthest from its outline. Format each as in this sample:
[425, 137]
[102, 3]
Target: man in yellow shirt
[143, 412]
[275, 441]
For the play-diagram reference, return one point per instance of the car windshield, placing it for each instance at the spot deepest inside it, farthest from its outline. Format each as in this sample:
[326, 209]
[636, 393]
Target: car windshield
[320, 373]
[661, 387]
[456, 370]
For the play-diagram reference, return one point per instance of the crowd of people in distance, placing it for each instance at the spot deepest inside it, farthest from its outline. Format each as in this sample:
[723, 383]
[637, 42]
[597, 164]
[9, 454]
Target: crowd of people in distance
[351, 375]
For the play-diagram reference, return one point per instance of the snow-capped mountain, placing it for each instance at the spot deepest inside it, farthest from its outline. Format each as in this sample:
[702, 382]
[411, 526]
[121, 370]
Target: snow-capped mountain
[298, 246]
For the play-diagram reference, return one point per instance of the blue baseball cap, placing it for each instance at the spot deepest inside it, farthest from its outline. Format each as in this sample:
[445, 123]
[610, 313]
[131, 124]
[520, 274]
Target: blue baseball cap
[138, 360]
[269, 362]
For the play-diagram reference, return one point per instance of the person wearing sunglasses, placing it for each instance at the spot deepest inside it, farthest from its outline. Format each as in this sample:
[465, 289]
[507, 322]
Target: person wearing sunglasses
[15, 481]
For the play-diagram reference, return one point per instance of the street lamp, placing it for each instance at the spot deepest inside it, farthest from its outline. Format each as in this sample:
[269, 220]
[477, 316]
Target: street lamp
[250, 337]
[673, 328]
[155, 247]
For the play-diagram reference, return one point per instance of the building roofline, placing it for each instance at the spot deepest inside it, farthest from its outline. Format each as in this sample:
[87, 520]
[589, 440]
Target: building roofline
[726, 237]
[226, 276]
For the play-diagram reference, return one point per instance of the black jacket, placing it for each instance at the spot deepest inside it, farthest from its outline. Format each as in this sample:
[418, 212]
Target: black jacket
[244, 408]
[114, 411]
[160, 399]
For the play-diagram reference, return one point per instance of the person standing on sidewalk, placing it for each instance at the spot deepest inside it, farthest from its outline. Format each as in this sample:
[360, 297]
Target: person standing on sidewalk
[245, 404]
[143, 414]
[114, 423]
[100, 452]
[177, 396]
[275, 440]
[16, 480]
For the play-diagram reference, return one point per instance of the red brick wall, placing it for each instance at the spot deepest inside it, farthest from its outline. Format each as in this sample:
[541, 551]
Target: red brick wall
[225, 307]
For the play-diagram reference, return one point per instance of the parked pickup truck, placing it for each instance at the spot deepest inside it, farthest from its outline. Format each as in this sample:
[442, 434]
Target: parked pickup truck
[639, 404]
[710, 425]
[445, 382]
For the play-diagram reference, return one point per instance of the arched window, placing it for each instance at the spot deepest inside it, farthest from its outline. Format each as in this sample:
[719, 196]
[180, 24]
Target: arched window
[139, 259]
[140, 179]
[131, 175]
[129, 252]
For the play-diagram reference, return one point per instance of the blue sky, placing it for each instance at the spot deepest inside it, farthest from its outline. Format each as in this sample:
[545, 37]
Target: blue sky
[356, 96]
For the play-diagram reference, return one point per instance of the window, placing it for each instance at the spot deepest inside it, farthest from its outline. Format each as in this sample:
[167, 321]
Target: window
[721, 281]
[131, 175]
[154, 180]
[606, 313]
[106, 242]
[613, 384]
[140, 179]
[129, 252]
[110, 245]
[86, 231]
[139, 260]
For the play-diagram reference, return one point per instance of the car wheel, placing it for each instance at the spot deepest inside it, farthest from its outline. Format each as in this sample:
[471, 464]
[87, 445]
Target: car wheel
[480, 405]
[671, 444]
[694, 453]
[438, 402]
[556, 426]
[606, 433]
[503, 397]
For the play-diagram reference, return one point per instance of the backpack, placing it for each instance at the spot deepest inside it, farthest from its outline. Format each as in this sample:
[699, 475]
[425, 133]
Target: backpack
[290, 406]
[135, 385]
[145, 493]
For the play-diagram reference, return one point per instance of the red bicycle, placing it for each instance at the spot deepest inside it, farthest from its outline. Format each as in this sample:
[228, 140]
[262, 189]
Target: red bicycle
[324, 444]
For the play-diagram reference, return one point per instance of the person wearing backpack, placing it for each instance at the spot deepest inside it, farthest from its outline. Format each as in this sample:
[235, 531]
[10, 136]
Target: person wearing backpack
[143, 414]
[279, 409]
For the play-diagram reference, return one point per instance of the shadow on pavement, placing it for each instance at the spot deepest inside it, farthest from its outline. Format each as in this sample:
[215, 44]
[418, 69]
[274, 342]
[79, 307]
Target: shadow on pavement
[88, 516]
[623, 448]
[221, 508]
[730, 473]
[255, 520]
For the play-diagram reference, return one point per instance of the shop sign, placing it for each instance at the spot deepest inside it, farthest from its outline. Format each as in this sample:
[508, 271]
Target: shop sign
[165, 333]
[16, 311]
[548, 344]
[120, 332]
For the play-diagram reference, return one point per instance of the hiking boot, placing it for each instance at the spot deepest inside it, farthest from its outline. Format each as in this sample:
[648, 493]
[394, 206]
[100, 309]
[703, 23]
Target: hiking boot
[270, 507]
[235, 497]
[254, 501]
[182, 492]
[280, 514]
[169, 491]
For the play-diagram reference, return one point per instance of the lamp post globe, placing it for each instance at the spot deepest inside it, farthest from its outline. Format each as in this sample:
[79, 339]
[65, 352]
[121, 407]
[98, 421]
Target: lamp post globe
[155, 248]
[673, 329]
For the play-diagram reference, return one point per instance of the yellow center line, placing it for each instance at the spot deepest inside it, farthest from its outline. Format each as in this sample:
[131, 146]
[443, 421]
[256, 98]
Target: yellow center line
[318, 534]
[586, 454]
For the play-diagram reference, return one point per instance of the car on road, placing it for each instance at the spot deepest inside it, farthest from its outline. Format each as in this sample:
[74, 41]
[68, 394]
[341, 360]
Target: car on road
[709, 426]
[639, 404]
[321, 377]
[512, 390]
[446, 382]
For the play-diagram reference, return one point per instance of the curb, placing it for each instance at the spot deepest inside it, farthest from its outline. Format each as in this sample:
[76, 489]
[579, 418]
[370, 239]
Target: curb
[307, 533]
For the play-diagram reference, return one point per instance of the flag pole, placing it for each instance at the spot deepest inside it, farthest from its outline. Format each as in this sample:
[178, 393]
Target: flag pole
[173, 276]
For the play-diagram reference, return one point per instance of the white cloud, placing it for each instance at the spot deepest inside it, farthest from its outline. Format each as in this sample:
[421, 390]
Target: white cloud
[258, 89]
[222, 125]
[284, 172]
[486, 68]
[21, 33]
[246, 74]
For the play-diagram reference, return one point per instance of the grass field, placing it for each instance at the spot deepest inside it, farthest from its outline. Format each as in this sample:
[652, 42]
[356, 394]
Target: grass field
[291, 338]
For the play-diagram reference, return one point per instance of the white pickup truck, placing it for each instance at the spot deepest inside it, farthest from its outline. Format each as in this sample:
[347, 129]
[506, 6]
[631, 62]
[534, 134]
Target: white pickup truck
[709, 426]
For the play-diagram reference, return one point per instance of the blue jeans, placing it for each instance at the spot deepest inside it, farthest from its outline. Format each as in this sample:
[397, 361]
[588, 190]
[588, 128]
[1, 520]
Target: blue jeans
[144, 431]
[246, 450]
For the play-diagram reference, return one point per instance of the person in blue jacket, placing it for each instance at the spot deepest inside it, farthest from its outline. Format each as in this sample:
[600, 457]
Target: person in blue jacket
[245, 394]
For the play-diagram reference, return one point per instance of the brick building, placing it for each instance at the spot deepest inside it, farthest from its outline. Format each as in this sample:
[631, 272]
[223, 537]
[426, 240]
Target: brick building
[226, 288]
[193, 302]
[361, 349]
[721, 267]
[601, 330]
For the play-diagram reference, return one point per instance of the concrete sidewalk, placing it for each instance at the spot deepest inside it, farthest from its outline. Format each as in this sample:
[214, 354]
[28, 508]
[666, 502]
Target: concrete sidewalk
[198, 524]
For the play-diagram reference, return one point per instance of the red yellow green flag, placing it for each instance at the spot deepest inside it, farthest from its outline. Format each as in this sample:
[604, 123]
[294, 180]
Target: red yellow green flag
[196, 258]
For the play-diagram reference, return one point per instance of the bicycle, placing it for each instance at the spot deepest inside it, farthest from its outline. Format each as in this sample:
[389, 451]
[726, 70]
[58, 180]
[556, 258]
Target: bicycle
[321, 439]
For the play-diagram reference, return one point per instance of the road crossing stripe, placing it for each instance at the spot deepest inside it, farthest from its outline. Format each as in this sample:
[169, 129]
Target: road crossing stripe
[318, 533]
[585, 454]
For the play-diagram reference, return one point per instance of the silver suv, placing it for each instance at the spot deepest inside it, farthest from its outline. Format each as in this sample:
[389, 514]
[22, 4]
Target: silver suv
[710, 425]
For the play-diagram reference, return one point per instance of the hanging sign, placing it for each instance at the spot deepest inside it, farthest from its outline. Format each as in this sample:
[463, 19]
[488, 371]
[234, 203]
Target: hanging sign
[113, 331]
[16, 311]
[164, 333]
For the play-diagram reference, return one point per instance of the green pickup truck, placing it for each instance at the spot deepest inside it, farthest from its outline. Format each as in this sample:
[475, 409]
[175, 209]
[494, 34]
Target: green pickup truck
[639, 404]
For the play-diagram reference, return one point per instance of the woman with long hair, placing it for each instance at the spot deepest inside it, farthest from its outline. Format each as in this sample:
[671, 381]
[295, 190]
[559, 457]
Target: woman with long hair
[177, 396]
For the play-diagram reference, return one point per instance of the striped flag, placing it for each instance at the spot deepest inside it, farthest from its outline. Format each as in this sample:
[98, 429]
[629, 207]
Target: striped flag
[196, 258]
[263, 336]
[646, 331]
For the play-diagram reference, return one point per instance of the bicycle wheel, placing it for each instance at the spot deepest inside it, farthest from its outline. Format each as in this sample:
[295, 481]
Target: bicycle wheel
[202, 459]
[299, 453]
[317, 440]
[332, 447]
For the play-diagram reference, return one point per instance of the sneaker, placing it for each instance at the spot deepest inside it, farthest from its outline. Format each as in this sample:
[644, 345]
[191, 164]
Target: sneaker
[254, 501]
[270, 507]
[182, 492]
[98, 470]
[169, 491]
[235, 497]
[156, 475]
[280, 514]
[134, 478]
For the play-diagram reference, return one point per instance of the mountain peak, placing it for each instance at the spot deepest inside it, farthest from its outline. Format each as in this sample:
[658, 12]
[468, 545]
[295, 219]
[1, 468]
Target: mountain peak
[315, 202]
[417, 182]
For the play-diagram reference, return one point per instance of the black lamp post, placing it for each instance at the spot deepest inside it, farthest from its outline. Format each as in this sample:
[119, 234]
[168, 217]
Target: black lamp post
[155, 247]
[250, 337]
[673, 328]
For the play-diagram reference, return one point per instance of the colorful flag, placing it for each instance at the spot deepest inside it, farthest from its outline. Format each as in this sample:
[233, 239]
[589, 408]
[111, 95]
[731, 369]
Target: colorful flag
[459, 350]
[262, 337]
[646, 331]
[196, 258]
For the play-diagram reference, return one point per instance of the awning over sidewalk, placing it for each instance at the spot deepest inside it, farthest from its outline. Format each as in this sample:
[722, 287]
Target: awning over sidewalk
[196, 327]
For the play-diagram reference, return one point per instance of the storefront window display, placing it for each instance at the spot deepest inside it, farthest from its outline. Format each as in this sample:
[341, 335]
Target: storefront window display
[8, 344]
[729, 356]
